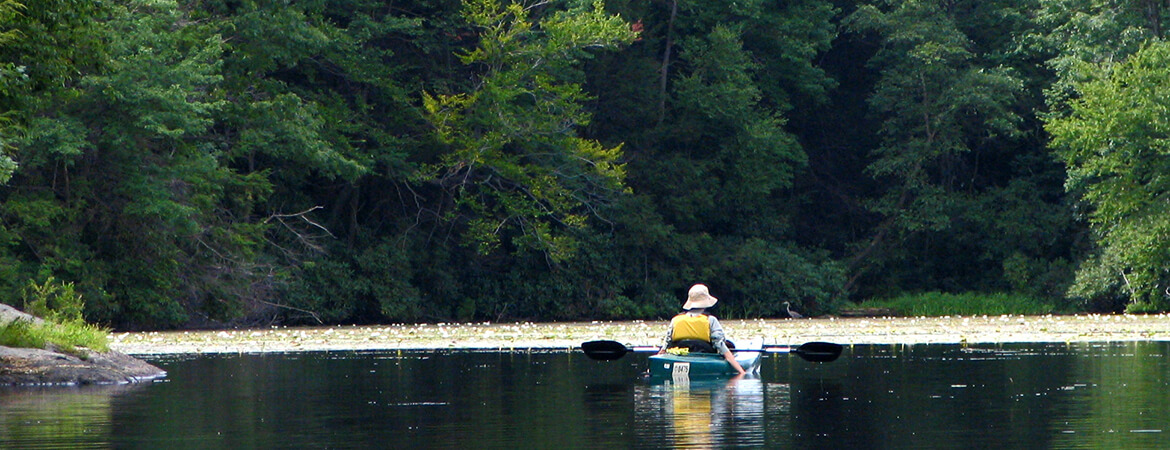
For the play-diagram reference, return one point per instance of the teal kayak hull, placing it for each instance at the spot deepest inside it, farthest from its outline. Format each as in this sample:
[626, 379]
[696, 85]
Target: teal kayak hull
[705, 365]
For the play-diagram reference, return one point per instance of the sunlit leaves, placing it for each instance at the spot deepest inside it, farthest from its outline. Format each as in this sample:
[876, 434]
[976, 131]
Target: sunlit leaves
[1116, 143]
[516, 165]
[9, 9]
[121, 189]
[1089, 31]
[288, 128]
[158, 79]
[11, 75]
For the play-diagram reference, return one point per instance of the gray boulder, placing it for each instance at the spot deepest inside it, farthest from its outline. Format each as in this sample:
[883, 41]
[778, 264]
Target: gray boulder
[9, 314]
[33, 366]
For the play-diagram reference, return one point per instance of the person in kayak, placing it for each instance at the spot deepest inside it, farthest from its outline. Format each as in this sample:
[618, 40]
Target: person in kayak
[696, 330]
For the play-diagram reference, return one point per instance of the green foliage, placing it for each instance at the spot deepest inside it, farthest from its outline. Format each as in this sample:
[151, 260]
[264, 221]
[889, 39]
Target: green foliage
[1075, 32]
[11, 77]
[761, 276]
[225, 162]
[64, 328]
[719, 156]
[934, 304]
[326, 291]
[9, 10]
[934, 98]
[1115, 142]
[375, 285]
[515, 164]
[53, 300]
[61, 337]
[752, 151]
[711, 157]
[960, 194]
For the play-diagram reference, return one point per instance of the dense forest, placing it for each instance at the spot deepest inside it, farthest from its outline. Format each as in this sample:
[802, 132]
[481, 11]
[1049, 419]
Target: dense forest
[197, 163]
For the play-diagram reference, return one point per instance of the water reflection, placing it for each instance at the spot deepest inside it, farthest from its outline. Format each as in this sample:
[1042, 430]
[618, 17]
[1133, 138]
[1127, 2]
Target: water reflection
[59, 416]
[997, 396]
[707, 413]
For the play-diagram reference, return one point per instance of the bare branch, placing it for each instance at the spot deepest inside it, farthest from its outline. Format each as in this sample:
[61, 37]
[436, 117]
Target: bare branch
[306, 239]
[303, 216]
[318, 319]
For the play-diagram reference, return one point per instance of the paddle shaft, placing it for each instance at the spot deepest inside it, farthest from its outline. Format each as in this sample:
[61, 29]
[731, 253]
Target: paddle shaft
[812, 351]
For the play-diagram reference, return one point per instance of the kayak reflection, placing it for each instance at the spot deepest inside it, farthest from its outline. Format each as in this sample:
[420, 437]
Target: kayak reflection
[708, 413]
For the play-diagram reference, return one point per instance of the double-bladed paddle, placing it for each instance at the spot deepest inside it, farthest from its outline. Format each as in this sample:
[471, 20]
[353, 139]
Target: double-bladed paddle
[812, 351]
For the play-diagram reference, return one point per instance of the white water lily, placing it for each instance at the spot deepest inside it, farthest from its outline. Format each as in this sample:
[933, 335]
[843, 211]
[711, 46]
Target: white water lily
[560, 336]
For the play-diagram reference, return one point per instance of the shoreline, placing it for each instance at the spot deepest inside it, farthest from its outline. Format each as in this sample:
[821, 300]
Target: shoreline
[570, 335]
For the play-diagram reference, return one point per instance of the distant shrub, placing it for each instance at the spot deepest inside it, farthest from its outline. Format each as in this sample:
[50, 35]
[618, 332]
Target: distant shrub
[63, 328]
[20, 334]
[1143, 308]
[53, 301]
[966, 304]
[64, 337]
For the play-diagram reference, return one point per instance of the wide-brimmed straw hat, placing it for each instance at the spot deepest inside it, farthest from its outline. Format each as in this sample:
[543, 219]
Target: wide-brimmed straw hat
[699, 297]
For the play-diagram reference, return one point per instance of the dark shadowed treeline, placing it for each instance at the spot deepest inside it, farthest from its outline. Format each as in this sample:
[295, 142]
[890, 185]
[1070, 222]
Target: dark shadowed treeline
[191, 163]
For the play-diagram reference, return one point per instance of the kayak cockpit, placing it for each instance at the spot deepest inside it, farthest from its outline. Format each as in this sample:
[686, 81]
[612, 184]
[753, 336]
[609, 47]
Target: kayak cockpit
[687, 366]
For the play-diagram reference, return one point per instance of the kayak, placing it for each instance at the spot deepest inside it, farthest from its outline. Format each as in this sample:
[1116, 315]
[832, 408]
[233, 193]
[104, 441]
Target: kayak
[682, 368]
[686, 367]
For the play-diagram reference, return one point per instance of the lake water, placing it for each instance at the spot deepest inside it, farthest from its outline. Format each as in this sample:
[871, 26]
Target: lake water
[1007, 396]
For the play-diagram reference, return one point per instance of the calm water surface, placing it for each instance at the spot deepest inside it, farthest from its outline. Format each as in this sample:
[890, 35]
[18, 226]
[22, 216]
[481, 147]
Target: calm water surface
[1010, 396]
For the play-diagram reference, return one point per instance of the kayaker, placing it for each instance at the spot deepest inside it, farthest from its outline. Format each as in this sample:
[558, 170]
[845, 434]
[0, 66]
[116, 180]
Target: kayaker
[696, 330]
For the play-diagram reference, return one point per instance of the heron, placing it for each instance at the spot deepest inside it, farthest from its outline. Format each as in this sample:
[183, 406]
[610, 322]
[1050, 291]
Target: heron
[791, 313]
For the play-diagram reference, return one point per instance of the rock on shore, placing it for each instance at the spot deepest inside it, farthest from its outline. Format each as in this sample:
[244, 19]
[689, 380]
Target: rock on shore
[31, 366]
[9, 314]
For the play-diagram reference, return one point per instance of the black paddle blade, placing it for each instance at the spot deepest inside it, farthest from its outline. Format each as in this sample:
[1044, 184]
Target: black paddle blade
[819, 351]
[604, 350]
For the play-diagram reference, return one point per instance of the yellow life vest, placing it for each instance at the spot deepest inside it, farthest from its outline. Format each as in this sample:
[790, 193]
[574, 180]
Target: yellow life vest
[686, 326]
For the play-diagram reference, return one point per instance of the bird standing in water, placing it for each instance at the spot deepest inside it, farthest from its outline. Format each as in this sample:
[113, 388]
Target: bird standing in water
[791, 313]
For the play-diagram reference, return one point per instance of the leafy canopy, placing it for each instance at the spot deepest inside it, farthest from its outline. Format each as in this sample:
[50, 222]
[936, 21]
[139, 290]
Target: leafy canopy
[515, 163]
[1116, 144]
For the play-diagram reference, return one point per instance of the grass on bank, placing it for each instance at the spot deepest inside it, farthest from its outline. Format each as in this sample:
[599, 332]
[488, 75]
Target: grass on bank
[64, 337]
[63, 328]
[936, 304]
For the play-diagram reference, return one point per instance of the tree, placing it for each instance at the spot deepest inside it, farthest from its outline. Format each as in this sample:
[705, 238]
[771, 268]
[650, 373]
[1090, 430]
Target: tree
[1073, 32]
[119, 189]
[938, 103]
[701, 101]
[11, 75]
[516, 166]
[1078, 38]
[48, 47]
[1115, 142]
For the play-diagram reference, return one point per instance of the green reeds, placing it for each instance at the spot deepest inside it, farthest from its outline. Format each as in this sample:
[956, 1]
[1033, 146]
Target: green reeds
[63, 328]
[936, 304]
[64, 337]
